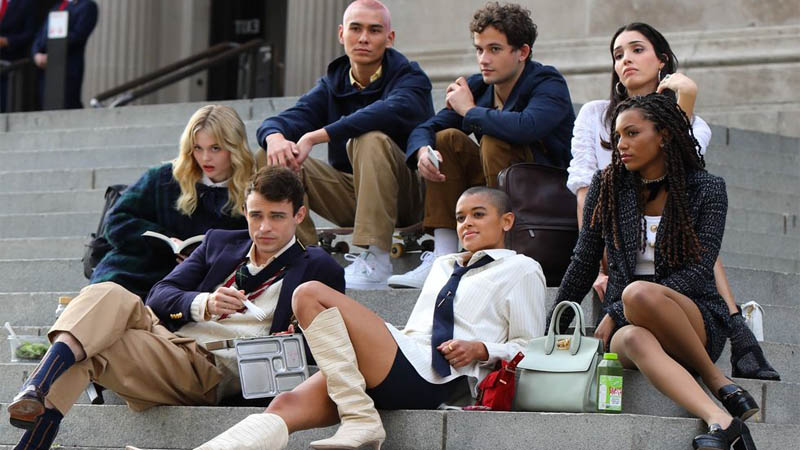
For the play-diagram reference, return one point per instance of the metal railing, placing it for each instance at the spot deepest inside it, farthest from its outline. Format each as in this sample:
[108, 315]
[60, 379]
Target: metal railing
[20, 93]
[184, 68]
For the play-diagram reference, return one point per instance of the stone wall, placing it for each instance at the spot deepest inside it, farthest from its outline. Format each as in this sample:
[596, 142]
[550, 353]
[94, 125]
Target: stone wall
[743, 54]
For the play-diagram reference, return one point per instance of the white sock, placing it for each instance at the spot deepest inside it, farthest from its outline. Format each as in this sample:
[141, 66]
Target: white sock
[381, 256]
[445, 241]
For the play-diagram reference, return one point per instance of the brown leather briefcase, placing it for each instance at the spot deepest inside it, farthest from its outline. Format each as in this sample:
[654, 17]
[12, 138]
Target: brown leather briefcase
[546, 225]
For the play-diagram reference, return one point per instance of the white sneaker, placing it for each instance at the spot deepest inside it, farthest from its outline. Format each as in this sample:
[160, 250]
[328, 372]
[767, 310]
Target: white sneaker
[414, 278]
[365, 272]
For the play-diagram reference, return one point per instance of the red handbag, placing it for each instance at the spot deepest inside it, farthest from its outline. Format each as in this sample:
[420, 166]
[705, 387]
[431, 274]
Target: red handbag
[497, 389]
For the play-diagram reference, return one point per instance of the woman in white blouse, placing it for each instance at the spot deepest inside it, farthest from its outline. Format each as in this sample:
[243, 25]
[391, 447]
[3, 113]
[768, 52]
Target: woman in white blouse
[366, 363]
[643, 62]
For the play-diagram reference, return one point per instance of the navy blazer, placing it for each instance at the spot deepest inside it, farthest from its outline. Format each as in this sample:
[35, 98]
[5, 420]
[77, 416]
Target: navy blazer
[82, 20]
[18, 26]
[538, 109]
[215, 260]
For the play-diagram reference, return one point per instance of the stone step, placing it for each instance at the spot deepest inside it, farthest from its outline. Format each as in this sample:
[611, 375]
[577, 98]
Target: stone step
[753, 220]
[782, 162]
[148, 115]
[172, 427]
[89, 158]
[763, 286]
[68, 179]
[43, 248]
[26, 275]
[748, 177]
[760, 262]
[48, 224]
[754, 141]
[779, 401]
[784, 247]
[53, 201]
[763, 200]
[154, 134]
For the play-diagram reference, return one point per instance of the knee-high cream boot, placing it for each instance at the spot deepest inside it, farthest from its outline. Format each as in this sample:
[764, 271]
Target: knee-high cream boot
[329, 342]
[265, 431]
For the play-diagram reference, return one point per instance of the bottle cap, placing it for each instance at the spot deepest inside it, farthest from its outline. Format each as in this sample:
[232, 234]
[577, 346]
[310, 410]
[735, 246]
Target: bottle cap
[64, 300]
[612, 356]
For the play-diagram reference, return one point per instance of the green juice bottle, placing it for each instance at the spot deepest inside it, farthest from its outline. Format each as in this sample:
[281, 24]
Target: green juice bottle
[609, 384]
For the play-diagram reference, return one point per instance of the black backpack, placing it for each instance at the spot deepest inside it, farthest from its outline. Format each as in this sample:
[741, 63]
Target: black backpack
[98, 246]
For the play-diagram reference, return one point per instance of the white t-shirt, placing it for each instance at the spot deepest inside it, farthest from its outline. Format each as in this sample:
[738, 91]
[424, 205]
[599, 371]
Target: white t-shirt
[645, 262]
[588, 156]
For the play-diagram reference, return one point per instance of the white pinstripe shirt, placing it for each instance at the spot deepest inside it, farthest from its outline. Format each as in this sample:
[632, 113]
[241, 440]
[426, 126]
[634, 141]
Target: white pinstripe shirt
[500, 304]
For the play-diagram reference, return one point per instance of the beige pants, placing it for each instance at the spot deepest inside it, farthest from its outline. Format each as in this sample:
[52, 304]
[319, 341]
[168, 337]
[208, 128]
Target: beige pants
[381, 193]
[128, 352]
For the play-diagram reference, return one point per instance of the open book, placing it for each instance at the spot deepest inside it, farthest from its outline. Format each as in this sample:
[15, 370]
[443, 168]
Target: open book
[185, 248]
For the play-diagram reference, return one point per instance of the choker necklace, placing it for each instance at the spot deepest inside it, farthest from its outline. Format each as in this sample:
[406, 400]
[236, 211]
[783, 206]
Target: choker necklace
[654, 186]
[645, 181]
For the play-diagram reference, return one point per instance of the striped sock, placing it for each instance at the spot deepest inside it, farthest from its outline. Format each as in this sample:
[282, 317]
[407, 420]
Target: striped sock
[58, 359]
[42, 434]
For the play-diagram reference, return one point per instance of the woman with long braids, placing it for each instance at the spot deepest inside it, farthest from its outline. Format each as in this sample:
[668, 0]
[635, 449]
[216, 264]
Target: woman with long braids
[660, 217]
[643, 62]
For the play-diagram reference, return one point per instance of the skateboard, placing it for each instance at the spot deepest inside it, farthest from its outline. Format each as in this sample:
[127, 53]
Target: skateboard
[410, 237]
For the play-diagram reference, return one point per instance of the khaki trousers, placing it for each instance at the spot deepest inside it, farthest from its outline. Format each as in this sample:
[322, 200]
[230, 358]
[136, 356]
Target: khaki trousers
[381, 193]
[465, 165]
[128, 352]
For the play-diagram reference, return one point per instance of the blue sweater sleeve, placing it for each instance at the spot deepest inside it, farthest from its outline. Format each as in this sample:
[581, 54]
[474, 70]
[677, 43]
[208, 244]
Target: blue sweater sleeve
[405, 106]
[425, 133]
[308, 114]
[27, 31]
[546, 109]
[84, 22]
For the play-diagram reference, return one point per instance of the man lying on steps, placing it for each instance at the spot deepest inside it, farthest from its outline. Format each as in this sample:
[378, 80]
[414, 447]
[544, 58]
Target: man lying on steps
[149, 355]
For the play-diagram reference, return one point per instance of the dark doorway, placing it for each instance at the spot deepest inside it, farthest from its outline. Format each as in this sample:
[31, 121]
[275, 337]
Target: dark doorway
[241, 21]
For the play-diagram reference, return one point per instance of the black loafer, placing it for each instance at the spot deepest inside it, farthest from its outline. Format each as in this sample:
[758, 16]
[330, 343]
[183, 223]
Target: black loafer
[26, 407]
[736, 436]
[737, 401]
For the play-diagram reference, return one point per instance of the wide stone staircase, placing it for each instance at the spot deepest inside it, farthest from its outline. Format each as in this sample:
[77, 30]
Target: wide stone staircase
[56, 166]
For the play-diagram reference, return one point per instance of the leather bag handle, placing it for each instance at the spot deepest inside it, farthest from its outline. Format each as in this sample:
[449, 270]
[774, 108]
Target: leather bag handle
[575, 342]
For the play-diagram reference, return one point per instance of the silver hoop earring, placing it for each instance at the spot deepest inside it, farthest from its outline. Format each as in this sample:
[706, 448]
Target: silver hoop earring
[619, 88]
[659, 75]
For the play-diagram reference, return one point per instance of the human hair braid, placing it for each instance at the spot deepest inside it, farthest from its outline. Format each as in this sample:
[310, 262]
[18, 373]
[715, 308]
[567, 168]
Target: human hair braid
[679, 242]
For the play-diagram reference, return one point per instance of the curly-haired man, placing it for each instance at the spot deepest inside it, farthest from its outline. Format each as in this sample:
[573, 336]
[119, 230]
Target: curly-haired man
[518, 109]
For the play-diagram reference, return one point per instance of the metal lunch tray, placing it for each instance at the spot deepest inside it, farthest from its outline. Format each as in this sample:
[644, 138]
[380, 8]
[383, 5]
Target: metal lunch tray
[270, 365]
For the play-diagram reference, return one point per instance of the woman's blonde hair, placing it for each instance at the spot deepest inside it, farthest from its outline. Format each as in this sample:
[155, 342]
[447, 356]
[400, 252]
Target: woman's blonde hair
[226, 127]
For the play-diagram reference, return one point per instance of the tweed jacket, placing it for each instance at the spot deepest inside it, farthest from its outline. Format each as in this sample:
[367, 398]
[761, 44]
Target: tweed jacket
[707, 208]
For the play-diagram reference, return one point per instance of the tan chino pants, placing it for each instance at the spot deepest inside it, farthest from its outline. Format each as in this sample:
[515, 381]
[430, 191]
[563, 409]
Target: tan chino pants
[466, 164]
[130, 353]
[381, 193]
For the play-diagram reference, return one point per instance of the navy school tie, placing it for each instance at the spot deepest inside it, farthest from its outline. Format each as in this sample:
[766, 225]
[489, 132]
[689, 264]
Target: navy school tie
[443, 320]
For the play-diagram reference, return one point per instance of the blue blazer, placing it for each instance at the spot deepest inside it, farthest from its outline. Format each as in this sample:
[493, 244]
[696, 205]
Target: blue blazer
[18, 26]
[538, 110]
[215, 260]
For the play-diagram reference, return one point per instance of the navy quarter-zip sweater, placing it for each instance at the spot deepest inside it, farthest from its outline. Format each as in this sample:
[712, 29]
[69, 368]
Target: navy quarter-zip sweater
[394, 104]
[538, 109]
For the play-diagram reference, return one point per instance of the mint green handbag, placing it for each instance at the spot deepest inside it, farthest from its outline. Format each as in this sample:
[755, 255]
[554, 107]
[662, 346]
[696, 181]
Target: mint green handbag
[559, 371]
